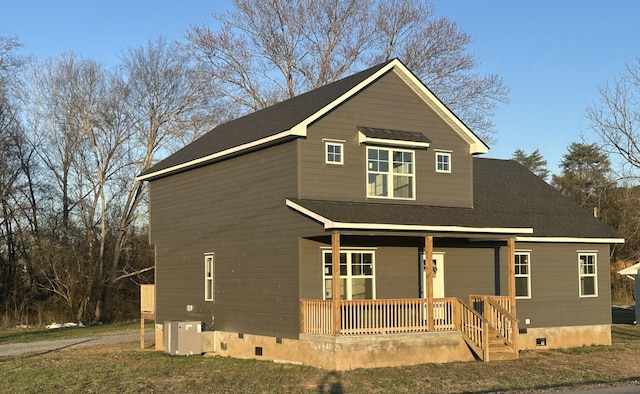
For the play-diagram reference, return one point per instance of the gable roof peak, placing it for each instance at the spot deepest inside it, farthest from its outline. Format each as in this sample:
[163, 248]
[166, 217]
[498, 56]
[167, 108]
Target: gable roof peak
[289, 119]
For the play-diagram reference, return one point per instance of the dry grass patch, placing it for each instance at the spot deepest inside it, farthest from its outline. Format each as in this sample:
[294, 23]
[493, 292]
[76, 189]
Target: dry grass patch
[123, 368]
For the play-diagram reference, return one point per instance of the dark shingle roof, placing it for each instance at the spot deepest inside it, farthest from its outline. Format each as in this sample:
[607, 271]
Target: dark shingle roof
[506, 196]
[508, 187]
[265, 122]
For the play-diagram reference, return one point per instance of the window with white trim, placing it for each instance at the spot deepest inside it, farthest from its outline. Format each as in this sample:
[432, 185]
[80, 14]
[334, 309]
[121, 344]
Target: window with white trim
[443, 162]
[523, 274]
[333, 152]
[209, 266]
[357, 275]
[390, 173]
[587, 272]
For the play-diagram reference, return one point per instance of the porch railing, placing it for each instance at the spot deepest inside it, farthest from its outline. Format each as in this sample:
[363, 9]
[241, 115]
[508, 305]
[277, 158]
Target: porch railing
[369, 317]
[477, 302]
[366, 317]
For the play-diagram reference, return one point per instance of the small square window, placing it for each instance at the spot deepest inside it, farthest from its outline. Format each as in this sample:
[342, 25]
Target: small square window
[333, 152]
[443, 162]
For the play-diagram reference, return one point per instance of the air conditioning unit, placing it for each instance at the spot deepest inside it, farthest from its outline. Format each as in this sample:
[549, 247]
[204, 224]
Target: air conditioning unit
[182, 338]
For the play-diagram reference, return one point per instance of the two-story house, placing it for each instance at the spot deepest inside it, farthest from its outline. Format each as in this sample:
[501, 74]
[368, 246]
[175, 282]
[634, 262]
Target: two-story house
[370, 188]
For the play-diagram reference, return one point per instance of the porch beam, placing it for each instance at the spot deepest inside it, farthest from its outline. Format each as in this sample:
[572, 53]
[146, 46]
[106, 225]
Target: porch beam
[335, 281]
[511, 273]
[428, 266]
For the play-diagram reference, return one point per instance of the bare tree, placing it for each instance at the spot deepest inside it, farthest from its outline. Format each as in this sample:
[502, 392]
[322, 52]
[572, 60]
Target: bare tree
[616, 116]
[265, 52]
[435, 48]
[157, 104]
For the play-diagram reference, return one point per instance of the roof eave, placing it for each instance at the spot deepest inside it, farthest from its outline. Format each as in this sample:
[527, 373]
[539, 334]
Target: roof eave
[285, 135]
[330, 224]
[586, 240]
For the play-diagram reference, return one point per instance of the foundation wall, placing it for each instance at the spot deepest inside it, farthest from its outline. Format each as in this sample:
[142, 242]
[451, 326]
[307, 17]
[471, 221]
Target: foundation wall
[377, 351]
[342, 353]
[565, 337]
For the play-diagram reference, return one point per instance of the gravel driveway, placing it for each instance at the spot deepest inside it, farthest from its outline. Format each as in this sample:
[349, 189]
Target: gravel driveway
[39, 347]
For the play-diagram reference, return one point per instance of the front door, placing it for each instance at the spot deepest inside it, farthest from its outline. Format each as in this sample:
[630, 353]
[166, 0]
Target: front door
[438, 277]
[439, 308]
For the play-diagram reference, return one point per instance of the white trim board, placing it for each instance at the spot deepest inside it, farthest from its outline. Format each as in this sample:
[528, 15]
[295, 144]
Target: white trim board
[334, 225]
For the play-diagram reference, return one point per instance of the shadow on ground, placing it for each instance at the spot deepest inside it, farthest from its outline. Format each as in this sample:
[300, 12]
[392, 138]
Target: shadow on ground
[623, 314]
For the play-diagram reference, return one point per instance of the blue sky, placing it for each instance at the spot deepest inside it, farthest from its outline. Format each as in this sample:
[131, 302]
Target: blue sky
[552, 53]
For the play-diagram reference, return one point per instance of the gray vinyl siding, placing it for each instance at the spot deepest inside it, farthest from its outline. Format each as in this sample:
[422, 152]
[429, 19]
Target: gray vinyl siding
[481, 268]
[396, 267]
[555, 295]
[235, 209]
[388, 103]
[397, 273]
[471, 269]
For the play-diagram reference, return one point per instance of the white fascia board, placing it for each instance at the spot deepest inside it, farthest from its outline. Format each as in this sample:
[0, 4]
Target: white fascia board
[331, 225]
[632, 270]
[214, 156]
[326, 222]
[345, 96]
[571, 240]
[475, 144]
[420, 227]
[363, 139]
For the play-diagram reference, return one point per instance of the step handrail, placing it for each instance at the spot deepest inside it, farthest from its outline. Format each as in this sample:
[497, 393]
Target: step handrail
[475, 330]
[502, 321]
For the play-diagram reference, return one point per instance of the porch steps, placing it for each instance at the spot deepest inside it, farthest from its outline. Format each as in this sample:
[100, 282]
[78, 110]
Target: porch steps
[498, 349]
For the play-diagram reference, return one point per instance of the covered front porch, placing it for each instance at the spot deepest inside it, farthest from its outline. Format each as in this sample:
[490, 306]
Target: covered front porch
[487, 323]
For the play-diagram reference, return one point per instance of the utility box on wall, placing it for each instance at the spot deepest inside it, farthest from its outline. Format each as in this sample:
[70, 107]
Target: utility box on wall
[182, 338]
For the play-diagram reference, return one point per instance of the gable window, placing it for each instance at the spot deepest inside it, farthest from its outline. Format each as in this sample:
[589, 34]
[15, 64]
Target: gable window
[333, 152]
[443, 162]
[523, 275]
[587, 272]
[209, 266]
[390, 173]
[356, 275]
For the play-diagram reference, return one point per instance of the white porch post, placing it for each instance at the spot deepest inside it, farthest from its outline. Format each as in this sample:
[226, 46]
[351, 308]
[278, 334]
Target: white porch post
[335, 281]
[428, 266]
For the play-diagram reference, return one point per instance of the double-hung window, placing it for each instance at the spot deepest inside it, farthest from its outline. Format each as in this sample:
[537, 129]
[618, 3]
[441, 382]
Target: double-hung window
[209, 266]
[356, 275]
[587, 273]
[390, 173]
[523, 274]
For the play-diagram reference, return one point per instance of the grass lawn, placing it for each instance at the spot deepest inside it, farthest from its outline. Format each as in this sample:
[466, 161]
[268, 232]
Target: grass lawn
[124, 368]
[40, 334]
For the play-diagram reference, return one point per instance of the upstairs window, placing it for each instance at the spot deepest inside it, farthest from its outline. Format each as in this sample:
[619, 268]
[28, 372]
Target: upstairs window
[587, 272]
[523, 275]
[333, 152]
[390, 173]
[209, 266]
[443, 162]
